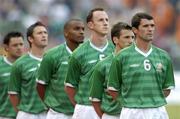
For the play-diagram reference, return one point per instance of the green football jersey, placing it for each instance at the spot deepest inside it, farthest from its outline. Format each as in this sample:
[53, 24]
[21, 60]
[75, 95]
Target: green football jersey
[52, 73]
[6, 108]
[98, 87]
[23, 83]
[81, 65]
[141, 77]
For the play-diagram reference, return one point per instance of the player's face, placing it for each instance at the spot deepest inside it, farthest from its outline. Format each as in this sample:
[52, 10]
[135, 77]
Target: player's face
[15, 47]
[125, 39]
[100, 23]
[146, 30]
[75, 32]
[40, 37]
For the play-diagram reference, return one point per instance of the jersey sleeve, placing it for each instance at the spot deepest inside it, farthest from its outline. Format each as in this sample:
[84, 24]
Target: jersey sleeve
[45, 70]
[73, 73]
[114, 78]
[14, 86]
[96, 84]
[169, 82]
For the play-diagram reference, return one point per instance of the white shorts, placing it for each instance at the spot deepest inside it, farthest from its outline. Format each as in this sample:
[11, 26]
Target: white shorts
[5, 118]
[107, 116]
[56, 115]
[84, 112]
[148, 113]
[25, 115]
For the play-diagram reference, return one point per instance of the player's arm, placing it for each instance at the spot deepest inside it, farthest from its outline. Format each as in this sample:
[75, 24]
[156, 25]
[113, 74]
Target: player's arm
[14, 100]
[72, 78]
[114, 79]
[97, 80]
[71, 91]
[15, 85]
[166, 92]
[41, 90]
[97, 107]
[169, 82]
[44, 75]
[113, 93]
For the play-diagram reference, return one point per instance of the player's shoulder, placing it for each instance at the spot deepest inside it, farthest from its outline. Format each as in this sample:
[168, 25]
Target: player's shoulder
[1, 58]
[55, 49]
[126, 51]
[111, 45]
[105, 61]
[81, 50]
[160, 51]
[22, 60]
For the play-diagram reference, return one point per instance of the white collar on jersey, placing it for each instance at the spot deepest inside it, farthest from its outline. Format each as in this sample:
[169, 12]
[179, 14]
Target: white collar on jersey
[7, 61]
[68, 49]
[97, 48]
[142, 53]
[34, 57]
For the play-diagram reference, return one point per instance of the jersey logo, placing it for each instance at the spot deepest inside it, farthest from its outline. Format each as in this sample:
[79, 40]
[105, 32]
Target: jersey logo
[101, 57]
[64, 62]
[159, 67]
[6, 74]
[32, 69]
[92, 61]
[134, 65]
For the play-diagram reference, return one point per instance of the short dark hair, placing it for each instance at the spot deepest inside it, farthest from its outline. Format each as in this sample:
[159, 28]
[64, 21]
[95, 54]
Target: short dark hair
[31, 28]
[66, 25]
[90, 15]
[136, 19]
[117, 28]
[10, 35]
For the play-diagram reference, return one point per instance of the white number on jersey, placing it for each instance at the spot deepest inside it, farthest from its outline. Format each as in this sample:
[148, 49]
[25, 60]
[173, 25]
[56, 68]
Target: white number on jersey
[101, 56]
[147, 65]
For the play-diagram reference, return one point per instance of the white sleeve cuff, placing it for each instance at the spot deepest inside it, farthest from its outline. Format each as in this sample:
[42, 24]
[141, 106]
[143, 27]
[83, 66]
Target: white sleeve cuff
[112, 88]
[41, 82]
[170, 87]
[94, 99]
[69, 85]
[12, 92]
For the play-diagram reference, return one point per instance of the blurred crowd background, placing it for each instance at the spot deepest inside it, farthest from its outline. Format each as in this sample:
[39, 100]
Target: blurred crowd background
[19, 14]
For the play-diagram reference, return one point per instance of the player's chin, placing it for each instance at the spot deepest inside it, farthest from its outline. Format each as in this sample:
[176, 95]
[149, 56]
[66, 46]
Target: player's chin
[18, 55]
[80, 41]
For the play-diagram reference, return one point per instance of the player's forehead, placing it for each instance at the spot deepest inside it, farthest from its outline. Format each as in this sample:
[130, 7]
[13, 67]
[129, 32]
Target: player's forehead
[15, 40]
[126, 32]
[99, 15]
[76, 24]
[147, 22]
[39, 29]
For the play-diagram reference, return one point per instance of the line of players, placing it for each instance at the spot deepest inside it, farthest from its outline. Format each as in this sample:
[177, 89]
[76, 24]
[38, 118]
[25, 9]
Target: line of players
[86, 79]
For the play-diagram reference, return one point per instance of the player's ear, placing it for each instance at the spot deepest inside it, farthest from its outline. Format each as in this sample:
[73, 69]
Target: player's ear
[30, 39]
[90, 25]
[115, 40]
[6, 48]
[135, 30]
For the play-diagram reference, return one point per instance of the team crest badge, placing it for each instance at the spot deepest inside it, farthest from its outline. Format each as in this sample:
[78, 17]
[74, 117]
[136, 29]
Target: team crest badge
[159, 67]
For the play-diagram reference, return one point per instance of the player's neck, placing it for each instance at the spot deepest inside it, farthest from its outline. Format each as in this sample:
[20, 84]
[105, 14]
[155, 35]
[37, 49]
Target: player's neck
[71, 45]
[11, 58]
[38, 52]
[99, 41]
[117, 50]
[144, 46]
